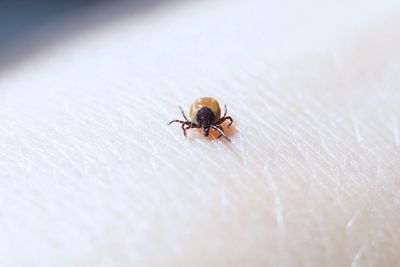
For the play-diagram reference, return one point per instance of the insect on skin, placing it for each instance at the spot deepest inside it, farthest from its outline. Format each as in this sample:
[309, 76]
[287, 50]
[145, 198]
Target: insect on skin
[205, 113]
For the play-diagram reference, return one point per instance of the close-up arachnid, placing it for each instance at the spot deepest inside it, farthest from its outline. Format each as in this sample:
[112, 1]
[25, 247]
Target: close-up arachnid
[205, 113]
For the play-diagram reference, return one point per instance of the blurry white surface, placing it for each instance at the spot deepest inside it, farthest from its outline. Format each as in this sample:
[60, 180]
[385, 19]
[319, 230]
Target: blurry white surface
[90, 175]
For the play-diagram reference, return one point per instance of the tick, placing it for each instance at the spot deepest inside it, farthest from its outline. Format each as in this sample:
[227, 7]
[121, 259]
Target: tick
[205, 113]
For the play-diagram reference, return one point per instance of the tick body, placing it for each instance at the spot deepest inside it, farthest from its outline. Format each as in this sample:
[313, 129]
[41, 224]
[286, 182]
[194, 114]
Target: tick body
[205, 113]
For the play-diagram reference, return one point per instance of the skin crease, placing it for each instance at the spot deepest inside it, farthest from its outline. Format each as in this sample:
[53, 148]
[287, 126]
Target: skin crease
[91, 175]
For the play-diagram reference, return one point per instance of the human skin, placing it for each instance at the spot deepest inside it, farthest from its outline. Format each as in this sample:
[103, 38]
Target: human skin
[91, 175]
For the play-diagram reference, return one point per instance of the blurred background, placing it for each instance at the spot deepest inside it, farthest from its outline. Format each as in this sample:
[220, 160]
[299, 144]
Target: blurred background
[27, 27]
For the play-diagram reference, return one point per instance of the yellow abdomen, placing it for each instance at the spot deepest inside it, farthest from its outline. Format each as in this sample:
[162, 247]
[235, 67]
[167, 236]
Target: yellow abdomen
[209, 102]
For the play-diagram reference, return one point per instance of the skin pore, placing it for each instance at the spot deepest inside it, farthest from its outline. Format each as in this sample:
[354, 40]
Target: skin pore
[91, 175]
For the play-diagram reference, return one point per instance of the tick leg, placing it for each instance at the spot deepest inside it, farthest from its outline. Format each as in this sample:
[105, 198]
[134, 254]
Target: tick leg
[219, 127]
[224, 118]
[184, 129]
[176, 121]
[185, 125]
[188, 125]
[230, 119]
[220, 132]
[183, 113]
[226, 110]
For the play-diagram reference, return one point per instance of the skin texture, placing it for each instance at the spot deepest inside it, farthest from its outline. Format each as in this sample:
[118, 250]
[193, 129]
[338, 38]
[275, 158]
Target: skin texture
[91, 175]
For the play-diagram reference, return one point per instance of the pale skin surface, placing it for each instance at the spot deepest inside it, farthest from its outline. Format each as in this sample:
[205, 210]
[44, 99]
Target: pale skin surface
[91, 175]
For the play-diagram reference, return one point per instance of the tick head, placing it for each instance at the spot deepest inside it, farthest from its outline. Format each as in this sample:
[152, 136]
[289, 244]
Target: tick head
[205, 118]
